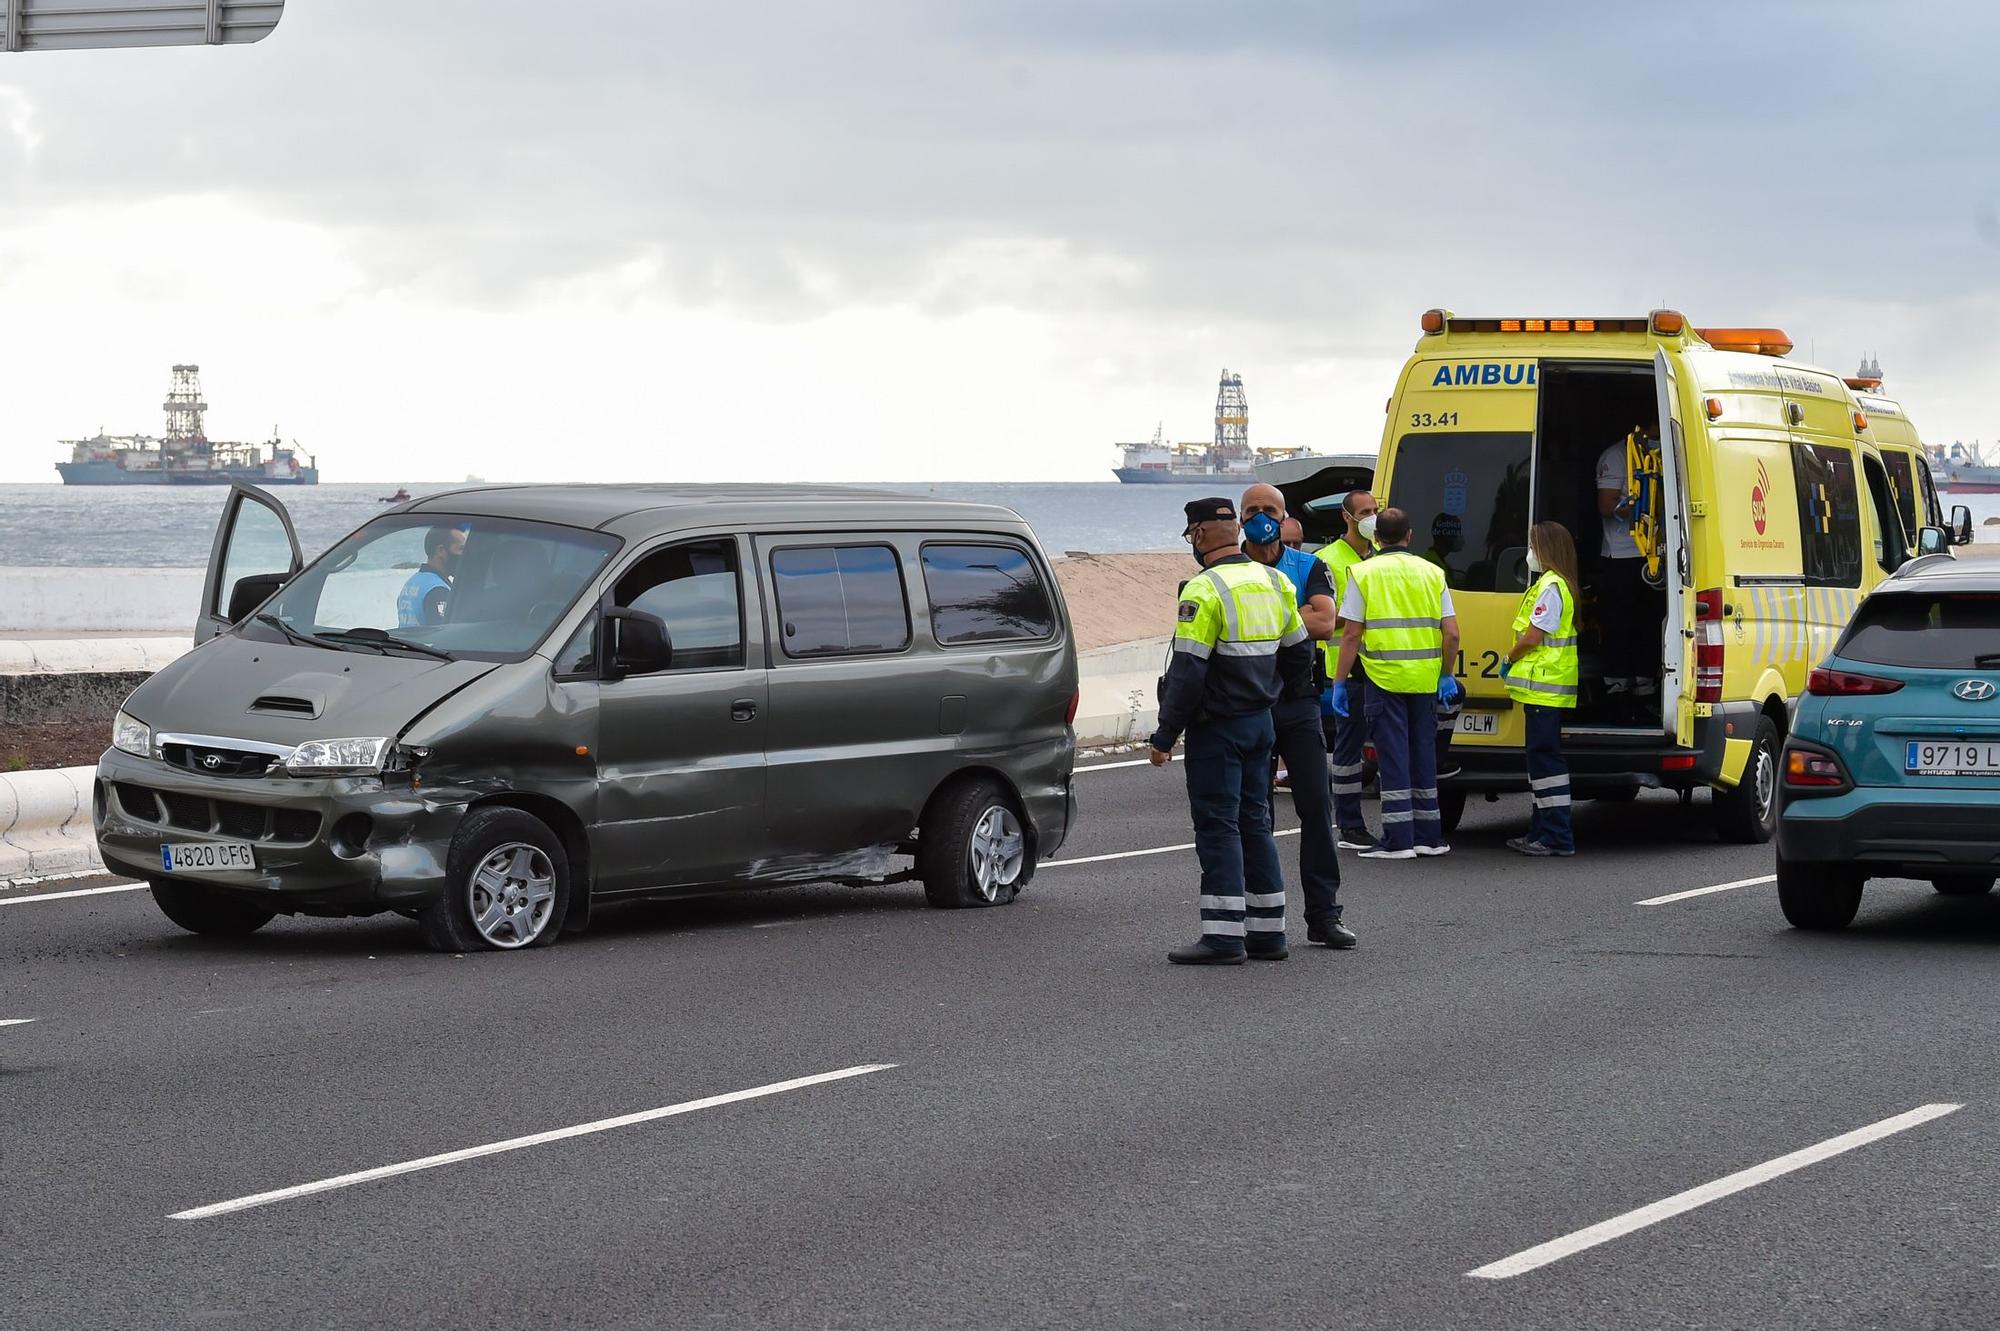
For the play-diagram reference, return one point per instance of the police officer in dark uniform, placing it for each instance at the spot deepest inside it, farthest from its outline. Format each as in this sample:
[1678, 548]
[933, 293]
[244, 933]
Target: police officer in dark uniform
[1239, 643]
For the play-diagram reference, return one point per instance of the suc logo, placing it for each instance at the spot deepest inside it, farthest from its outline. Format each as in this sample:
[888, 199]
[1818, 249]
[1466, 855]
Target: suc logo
[1757, 493]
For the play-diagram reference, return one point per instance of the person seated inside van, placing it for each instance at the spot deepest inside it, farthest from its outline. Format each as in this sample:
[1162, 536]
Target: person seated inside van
[1628, 611]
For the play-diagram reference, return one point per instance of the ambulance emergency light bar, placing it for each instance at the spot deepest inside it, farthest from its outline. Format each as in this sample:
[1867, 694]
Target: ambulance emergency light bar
[1662, 323]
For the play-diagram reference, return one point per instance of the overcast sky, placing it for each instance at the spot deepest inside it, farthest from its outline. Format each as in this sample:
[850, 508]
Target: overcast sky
[958, 239]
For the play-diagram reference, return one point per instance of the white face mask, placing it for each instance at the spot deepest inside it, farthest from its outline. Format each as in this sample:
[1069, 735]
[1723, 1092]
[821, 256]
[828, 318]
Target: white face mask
[1366, 527]
[1534, 564]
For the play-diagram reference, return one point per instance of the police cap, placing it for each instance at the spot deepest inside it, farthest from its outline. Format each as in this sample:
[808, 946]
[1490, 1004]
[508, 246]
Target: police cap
[1209, 510]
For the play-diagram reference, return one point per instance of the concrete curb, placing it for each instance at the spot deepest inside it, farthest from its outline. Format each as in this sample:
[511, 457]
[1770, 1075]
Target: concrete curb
[45, 824]
[1119, 702]
[81, 656]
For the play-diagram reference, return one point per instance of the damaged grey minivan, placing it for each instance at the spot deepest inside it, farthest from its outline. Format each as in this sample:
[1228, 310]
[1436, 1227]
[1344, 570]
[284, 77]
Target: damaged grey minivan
[495, 709]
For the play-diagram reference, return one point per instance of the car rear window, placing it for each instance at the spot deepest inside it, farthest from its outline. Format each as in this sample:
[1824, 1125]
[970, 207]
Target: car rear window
[1467, 497]
[985, 593]
[1939, 630]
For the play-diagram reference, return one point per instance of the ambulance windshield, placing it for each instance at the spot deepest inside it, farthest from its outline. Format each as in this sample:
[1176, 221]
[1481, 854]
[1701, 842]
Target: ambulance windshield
[1467, 496]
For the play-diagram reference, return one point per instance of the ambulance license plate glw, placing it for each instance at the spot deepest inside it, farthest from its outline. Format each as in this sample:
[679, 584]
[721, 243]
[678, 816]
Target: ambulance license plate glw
[1952, 758]
[1479, 723]
[193, 856]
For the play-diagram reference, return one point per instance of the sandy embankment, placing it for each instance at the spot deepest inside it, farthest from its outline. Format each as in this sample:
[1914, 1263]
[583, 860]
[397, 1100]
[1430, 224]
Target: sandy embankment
[1122, 598]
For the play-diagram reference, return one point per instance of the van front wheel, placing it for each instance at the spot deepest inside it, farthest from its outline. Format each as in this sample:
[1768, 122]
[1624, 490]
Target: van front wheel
[506, 885]
[972, 849]
[1748, 814]
[202, 910]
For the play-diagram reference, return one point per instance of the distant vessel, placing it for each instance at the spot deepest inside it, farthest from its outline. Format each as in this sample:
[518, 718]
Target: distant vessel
[1229, 458]
[396, 498]
[185, 455]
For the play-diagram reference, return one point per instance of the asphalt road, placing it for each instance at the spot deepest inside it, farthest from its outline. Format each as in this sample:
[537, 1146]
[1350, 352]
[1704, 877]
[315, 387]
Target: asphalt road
[1073, 1133]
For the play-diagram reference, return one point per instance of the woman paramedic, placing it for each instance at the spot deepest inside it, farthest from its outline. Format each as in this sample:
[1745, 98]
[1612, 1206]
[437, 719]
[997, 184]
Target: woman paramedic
[1540, 673]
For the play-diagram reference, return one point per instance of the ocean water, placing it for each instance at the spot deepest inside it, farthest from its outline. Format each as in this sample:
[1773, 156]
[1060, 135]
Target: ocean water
[174, 526]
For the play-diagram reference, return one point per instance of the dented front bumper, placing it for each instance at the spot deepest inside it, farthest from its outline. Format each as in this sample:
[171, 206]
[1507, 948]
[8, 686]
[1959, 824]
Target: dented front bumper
[323, 846]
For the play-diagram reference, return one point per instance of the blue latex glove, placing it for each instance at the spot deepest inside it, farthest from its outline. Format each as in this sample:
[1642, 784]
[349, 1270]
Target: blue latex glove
[1340, 699]
[1448, 691]
[1505, 666]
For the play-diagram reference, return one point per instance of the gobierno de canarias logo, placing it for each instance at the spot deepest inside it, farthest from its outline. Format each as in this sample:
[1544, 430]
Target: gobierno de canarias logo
[1757, 493]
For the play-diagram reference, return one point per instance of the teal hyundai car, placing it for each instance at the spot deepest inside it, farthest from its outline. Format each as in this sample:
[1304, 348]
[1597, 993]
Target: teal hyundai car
[1893, 765]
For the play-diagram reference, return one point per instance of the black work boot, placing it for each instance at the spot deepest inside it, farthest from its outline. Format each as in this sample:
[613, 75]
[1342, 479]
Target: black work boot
[1330, 933]
[1272, 950]
[1202, 953]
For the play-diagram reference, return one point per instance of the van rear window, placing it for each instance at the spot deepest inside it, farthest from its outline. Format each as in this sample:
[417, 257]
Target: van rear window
[1938, 630]
[985, 593]
[1467, 496]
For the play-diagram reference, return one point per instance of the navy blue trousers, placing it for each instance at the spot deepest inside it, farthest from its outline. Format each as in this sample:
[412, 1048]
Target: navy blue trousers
[1302, 744]
[1548, 778]
[1229, 792]
[1350, 737]
[1404, 728]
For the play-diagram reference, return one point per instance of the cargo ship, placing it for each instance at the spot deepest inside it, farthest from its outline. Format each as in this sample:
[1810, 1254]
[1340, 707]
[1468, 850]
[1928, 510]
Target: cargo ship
[1964, 470]
[185, 455]
[1229, 458]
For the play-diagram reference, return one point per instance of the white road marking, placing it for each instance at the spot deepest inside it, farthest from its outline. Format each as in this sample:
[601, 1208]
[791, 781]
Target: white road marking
[15, 1021]
[1704, 891]
[1107, 767]
[1133, 854]
[1604, 1231]
[518, 1143]
[76, 892]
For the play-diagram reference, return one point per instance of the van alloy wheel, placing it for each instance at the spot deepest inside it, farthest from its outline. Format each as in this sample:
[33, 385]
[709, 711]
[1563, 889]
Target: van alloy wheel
[512, 892]
[997, 849]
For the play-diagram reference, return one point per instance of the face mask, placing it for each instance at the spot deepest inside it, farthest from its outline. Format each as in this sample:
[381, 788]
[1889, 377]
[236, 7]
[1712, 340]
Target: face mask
[1366, 526]
[1534, 564]
[1261, 529]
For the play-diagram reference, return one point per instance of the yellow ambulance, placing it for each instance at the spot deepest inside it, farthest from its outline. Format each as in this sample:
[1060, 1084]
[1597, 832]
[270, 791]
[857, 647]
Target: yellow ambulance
[1903, 456]
[1766, 504]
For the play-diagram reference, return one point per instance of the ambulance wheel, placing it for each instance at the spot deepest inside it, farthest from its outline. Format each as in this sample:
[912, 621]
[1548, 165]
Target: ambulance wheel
[1451, 808]
[202, 910]
[1818, 896]
[972, 849]
[1748, 814]
[1963, 884]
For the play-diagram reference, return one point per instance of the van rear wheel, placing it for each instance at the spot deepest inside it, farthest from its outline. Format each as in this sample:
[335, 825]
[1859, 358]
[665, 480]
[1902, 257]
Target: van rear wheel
[1748, 814]
[1818, 896]
[1963, 884]
[203, 910]
[506, 885]
[972, 849]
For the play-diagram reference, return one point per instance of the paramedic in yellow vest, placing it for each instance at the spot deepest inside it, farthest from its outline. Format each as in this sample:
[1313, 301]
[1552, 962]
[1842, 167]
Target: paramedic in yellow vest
[1346, 739]
[1238, 644]
[1402, 628]
[1540, 674]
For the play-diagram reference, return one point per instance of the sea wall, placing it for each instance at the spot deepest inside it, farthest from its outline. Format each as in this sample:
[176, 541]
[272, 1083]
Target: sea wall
[75, 602]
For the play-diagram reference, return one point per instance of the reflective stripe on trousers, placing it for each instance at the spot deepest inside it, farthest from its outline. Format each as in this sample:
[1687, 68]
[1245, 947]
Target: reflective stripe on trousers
[1228, 768]
[1404, 728]
[1548, 779]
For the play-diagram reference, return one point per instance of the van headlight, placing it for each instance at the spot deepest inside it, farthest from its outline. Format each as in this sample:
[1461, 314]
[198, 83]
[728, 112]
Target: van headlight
[338, 757]
[131, 735]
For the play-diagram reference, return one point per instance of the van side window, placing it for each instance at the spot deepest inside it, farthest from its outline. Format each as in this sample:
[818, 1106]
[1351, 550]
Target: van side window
[1829, 515]
[1933, 508]
[694, 587]
[578, 658]
[985, 593]
[1891, 546]
[1903, 485]
[840, 600]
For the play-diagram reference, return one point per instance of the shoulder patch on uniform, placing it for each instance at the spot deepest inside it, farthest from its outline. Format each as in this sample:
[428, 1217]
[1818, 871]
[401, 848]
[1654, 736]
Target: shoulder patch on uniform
[1188, 612]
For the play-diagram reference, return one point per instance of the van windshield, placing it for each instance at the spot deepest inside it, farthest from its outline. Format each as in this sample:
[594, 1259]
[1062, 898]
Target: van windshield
[1934, 630]
[481, 587]
[1467, 496]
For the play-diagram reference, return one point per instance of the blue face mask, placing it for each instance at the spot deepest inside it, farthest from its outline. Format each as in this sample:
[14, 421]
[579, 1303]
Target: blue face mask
[1261, 529]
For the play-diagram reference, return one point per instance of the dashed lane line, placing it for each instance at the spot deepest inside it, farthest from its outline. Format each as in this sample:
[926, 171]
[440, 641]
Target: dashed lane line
[1704, 891]
[519, 1143]
[1110, 767]
[1620, 1225]
[1134, 854]
[73, 892]
[15, 1021]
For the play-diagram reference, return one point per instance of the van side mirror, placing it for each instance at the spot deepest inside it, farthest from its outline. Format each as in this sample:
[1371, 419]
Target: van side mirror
[1961, 525]
[253, 591]
[637, 643]
[1932, 540]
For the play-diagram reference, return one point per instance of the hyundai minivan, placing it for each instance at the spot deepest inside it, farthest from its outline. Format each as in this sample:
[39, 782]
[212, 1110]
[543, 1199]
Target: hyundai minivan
[493, 709]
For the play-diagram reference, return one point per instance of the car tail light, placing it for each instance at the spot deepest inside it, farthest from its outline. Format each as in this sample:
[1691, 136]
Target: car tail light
[1824, 683]
[1708, 645]
[1813, 770]
[1075, 699]
[1677, 762]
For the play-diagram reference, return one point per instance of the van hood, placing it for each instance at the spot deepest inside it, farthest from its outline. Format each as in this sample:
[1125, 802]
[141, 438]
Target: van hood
[287, 693]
